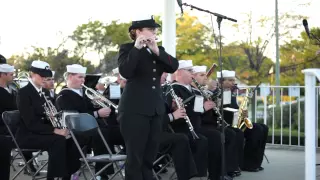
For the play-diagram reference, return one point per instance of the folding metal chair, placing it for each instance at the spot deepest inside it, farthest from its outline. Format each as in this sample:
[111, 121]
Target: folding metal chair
[11, 120]
[87, 124]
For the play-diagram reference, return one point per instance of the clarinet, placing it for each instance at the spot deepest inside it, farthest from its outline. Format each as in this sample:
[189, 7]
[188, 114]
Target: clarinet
[181, 105]
[207, 97]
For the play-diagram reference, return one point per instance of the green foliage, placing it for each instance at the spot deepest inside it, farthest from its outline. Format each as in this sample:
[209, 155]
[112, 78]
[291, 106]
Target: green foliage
[58, 61]
[285, 111]
[297, 55]
[101, 38]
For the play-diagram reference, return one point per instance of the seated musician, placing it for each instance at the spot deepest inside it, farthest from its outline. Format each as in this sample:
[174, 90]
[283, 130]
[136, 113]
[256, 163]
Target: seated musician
[195, 108]
[8, 94]
[255, 138]
[37, 132]
[73, 98]
[100, 86]
[176, 144]
[7, 104]
[209, 122]
[49, 85]
[114, 136]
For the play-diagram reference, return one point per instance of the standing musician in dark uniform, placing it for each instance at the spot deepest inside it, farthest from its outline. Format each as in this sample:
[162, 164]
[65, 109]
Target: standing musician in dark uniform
[37, 132]
[141, 108]
[7, 104]
[255, 138]
[195, 107]
[209, 123]
[177, 144]
[73, 98]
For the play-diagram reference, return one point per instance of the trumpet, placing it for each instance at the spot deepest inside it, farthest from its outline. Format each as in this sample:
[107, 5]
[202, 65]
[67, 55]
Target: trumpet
[99, 99]
[181, 105]
[52, 113]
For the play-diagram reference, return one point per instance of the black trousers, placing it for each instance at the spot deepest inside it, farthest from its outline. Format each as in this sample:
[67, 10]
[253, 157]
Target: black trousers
[63, 153]
[141, 137]
[214, 151]
[177, 144]
[113, 137]
[239, 148]
[233, 148]
[254, 145]
[5, 157]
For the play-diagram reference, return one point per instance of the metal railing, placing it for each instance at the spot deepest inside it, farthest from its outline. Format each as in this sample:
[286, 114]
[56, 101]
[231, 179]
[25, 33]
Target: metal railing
[285, 120]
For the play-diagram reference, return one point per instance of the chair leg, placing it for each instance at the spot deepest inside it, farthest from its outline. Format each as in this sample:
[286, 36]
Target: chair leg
[266, 158]
[11, 162]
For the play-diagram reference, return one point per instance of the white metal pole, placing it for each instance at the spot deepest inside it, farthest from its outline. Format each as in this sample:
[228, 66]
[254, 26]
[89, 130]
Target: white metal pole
[169, 29]
[310, 118]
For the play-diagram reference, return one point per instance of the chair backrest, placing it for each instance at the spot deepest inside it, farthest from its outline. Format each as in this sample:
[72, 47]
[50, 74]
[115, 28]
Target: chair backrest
[87, 124]
[11, 119]
[81, 122]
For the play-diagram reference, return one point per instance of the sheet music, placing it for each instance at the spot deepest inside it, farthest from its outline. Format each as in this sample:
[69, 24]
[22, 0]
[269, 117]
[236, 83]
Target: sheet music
[198, 104]
[115, 91]
[235, 115]
[226, 97]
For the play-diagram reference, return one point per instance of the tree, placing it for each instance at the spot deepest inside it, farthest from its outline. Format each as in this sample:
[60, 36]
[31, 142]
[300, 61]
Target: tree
[102, 38]
[196, 41]
[297, 55]
[58, 60]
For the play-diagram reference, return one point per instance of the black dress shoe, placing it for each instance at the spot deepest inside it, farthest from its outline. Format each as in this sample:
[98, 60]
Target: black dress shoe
[238, 173]
[228, 177]
[261, 168]
[232, 174]
[251, 169]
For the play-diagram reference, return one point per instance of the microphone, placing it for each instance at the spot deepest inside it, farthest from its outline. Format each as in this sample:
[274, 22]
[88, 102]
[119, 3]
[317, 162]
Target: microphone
[180, 4]
[306, 27]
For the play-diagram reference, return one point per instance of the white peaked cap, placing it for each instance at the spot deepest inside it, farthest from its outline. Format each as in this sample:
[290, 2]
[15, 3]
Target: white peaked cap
[40, 64]
[6, 68]
[76, 68]
[198, 69]
[103, 80]
[121, 77]
[226, 74]
[115, 70]
[185, 64]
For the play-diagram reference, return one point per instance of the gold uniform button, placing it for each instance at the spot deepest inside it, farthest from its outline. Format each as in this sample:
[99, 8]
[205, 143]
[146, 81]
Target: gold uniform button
[154, 70]
[153, 87]
[154, 62]
[153, 79]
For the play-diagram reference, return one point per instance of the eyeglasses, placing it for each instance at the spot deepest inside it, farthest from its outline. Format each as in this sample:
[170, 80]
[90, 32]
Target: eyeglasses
[189, 70]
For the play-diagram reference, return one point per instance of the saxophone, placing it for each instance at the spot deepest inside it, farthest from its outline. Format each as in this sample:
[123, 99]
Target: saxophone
[181, 105]
[243, 121]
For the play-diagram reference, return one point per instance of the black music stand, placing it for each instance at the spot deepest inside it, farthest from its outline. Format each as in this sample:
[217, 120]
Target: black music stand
[91, 80]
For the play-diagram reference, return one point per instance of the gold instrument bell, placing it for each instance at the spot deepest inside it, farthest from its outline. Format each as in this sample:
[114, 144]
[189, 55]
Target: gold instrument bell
[243, 121]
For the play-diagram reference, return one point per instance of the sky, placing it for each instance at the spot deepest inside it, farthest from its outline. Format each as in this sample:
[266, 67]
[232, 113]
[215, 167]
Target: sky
[26, 23]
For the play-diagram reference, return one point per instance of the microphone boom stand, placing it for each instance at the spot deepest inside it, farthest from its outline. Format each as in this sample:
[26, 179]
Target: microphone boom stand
[219, 20]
